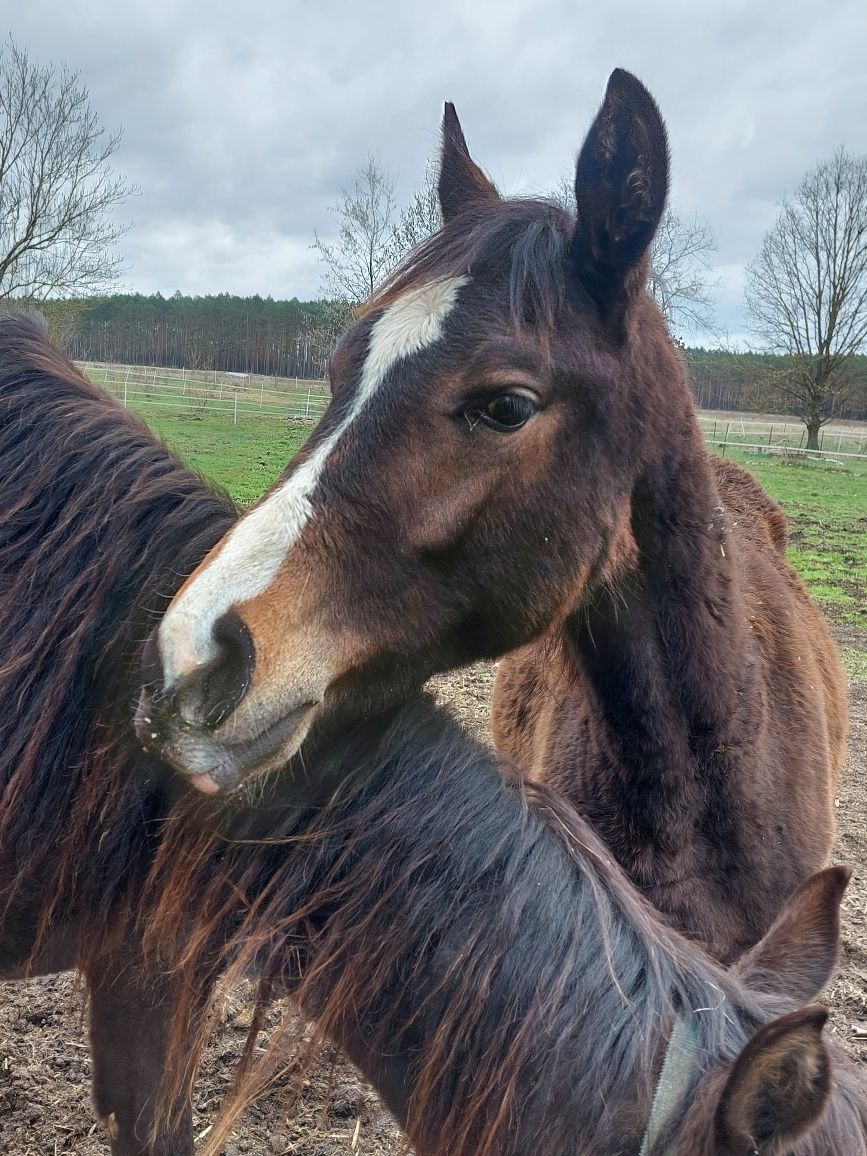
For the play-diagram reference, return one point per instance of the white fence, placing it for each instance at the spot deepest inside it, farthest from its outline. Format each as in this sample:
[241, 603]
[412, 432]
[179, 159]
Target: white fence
[786, 438]
[212, 391]
[243, 395]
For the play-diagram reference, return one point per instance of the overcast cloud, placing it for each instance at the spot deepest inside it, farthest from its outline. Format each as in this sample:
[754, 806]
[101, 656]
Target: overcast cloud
[243, 121]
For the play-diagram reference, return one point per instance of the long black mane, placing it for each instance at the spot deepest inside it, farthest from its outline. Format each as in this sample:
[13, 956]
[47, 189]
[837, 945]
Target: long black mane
[99, 525]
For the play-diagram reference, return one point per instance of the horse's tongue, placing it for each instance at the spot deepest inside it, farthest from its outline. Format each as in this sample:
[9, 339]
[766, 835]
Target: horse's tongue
[205, 784]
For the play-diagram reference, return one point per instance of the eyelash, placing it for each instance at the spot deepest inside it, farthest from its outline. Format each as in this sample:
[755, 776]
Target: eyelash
[511, 405]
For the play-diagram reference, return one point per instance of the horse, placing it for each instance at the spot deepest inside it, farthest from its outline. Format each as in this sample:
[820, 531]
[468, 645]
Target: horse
[472, 945]
[511, 464]
[100, 524]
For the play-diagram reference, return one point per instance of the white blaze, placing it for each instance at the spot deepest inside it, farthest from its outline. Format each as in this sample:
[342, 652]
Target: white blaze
[254, 550]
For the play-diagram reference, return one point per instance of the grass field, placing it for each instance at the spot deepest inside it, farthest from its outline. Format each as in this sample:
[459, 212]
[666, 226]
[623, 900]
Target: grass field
[827, 510]
[827, 506]
[243, 459]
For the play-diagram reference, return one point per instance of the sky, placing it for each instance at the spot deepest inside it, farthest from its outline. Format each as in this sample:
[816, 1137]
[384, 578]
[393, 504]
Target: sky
[242, 122]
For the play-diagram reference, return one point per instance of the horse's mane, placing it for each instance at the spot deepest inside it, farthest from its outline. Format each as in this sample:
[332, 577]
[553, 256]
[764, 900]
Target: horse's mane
[100, 523]
[527, 240]
[406, 890]
[356, 890]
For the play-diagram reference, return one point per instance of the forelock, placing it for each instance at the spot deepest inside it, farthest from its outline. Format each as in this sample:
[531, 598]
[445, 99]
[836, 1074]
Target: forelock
[523, 242]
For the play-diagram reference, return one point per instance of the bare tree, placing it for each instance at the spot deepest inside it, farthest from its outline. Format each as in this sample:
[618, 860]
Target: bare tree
[421, 217]
[364, 250]
[320, 331]
[681, 277]
[56, 187]
[806, 290]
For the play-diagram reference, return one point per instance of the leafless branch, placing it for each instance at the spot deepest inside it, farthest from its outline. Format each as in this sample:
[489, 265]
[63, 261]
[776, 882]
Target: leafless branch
[363, 252]
[806, 289]
[420, 218]
[57, 190]
[681, 277]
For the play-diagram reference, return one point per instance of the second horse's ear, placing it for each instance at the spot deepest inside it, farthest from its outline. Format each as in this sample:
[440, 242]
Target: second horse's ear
[796, 957]
[776, 1088]
[462, 183]
[621, 182]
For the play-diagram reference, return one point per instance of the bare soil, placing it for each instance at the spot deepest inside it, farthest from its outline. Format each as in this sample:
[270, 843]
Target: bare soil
[45, 1066]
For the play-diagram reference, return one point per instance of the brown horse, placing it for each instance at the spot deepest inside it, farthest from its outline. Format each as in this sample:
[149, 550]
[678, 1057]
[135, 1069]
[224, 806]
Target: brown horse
[99, 526]
[491, 969]
[511, 458]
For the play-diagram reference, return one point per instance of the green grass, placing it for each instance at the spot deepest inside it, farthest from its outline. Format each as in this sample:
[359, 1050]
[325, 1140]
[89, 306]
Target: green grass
[827, 510]
[243, 459]
[827, 507]
[854, 662]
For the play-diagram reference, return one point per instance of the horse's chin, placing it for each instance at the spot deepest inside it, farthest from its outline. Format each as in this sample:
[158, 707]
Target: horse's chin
[212, 763]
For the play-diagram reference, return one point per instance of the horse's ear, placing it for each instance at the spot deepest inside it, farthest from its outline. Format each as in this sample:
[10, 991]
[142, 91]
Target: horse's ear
[461, 182]
[798, 954]
[621, 182]
[777, 1087]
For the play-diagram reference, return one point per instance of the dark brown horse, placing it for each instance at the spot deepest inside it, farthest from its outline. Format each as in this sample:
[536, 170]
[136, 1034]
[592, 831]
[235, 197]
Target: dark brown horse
[511, 458]
[99, 525]
[492, 970]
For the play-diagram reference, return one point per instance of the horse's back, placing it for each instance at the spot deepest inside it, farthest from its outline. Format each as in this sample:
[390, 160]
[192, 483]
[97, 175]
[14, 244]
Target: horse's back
[792, 631]
[745, 497]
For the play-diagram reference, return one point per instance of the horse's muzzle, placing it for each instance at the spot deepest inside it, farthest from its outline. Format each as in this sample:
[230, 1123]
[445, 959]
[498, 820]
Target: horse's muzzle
[206, 726]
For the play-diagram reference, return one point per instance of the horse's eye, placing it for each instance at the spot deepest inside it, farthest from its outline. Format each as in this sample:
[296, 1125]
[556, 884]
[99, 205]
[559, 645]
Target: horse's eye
[507, 411]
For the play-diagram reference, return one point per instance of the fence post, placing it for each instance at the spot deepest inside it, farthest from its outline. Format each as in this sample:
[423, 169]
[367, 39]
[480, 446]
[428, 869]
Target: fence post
[184, 380]
[125, 380]
[307, 411]
[262, 393]
[236, 409]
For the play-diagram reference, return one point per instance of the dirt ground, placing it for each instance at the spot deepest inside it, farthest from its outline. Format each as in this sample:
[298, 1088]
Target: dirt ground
[45, 1067]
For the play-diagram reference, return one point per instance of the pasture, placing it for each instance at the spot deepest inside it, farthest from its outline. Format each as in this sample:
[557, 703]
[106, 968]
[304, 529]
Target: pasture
[44, 1063]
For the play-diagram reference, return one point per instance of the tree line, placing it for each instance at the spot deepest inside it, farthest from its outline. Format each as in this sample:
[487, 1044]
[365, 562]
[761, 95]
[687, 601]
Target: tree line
[239, 334]
[757, 383]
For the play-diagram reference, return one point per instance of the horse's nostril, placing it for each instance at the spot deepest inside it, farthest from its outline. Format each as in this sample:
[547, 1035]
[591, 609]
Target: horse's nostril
[227, 677]
[205, 696]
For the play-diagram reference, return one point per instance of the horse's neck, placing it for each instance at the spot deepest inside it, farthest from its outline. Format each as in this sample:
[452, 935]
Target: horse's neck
[663, 646]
